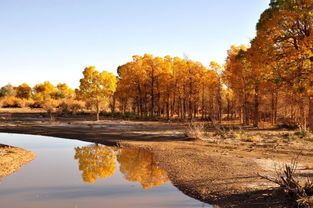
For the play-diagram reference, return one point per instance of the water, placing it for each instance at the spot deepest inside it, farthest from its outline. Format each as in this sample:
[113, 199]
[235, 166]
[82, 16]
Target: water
[72, 173]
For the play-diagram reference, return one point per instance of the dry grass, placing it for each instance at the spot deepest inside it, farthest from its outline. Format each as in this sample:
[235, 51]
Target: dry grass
[199, 131]
[238, 134]
[13, 102]
[196, 131]
[71, 106]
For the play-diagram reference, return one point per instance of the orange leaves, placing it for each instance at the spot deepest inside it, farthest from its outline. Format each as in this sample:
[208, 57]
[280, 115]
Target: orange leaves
[95, 161]
[96, 87]
[23, 91]
[154, 84]
[286, 36]
[44, 91]
[139, 166]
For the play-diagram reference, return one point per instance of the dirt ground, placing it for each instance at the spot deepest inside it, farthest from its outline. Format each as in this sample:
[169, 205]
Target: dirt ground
[222, 172]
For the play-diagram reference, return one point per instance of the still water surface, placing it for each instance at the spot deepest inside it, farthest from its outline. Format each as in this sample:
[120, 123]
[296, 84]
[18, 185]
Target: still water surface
[72, 173]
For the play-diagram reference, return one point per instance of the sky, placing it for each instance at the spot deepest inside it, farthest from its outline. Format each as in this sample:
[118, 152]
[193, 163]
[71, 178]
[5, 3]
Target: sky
[55, 40]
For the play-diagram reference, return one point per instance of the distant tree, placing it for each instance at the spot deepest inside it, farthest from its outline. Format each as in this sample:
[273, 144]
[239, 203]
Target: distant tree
[237, 76]
[218, 69]
[44, 94]
[50, 105]
[44, 91]
[96, 87]
[64, 91]
[7, 90]
[166, 86]
[23, 91]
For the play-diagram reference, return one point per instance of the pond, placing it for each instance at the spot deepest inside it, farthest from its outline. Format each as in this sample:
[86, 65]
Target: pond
[72, 173]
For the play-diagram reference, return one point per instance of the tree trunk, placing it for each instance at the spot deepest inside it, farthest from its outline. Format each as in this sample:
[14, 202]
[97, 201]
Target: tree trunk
[185, 108]
[203, 102]
[276, 107]
[256, 107]
[310, 117]
[241, 119]
[245, 112]
[220, 105]
[168, 107]
[50, 115]
[302, 114]
[113, 104]
[273, 109]
[98, 110]
[190, 99]
[158, 94]
[173, 106]
[152, 92]
[228, 109]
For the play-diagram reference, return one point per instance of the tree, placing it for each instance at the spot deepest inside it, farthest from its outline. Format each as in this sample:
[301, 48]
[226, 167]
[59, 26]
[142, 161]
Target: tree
[237, 76]
[64, 91]
[218, 69]
[24, 91]
[286, 29]
[95, 161]
[140, 166]
[7, 91]
[44, 91]
[155, 86]
[96, 87]
[44, 94]
[133, 85]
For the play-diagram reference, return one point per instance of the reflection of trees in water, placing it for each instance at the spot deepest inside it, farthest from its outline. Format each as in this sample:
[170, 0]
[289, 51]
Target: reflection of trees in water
[140, 166]
[95, 161]
[137, 165]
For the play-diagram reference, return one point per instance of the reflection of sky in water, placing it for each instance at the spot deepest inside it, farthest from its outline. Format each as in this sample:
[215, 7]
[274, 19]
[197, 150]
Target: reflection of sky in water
[54, 180]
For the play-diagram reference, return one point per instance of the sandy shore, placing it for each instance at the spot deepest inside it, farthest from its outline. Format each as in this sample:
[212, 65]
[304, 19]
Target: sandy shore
[223, 173]
[12, 159]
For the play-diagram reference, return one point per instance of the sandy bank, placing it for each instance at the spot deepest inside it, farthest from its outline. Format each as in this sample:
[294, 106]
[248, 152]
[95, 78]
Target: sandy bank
[12, 159]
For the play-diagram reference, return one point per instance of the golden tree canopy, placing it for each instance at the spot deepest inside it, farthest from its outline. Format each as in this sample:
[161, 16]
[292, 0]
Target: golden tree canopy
[97, 85]
[95, 162]
[140, 166]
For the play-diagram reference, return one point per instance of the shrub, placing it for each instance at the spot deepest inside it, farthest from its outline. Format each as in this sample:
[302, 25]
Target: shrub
[12, 102]
[130, 115]
[49, 106]
[36, 104]
[196, 131]
[246, 137]
[303, 132]
[287, 123]
[71, 106]
[293, 137]
[28, 102]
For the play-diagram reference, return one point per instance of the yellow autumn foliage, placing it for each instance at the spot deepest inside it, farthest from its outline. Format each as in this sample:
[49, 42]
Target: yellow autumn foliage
[140, 166]
[95, 162]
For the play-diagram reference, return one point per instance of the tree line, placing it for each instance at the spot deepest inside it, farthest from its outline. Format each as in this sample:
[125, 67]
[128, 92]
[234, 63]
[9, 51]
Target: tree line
[147, 86]
[270, 80]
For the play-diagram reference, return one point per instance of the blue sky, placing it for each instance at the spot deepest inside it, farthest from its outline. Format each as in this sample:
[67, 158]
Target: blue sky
[55, 39]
